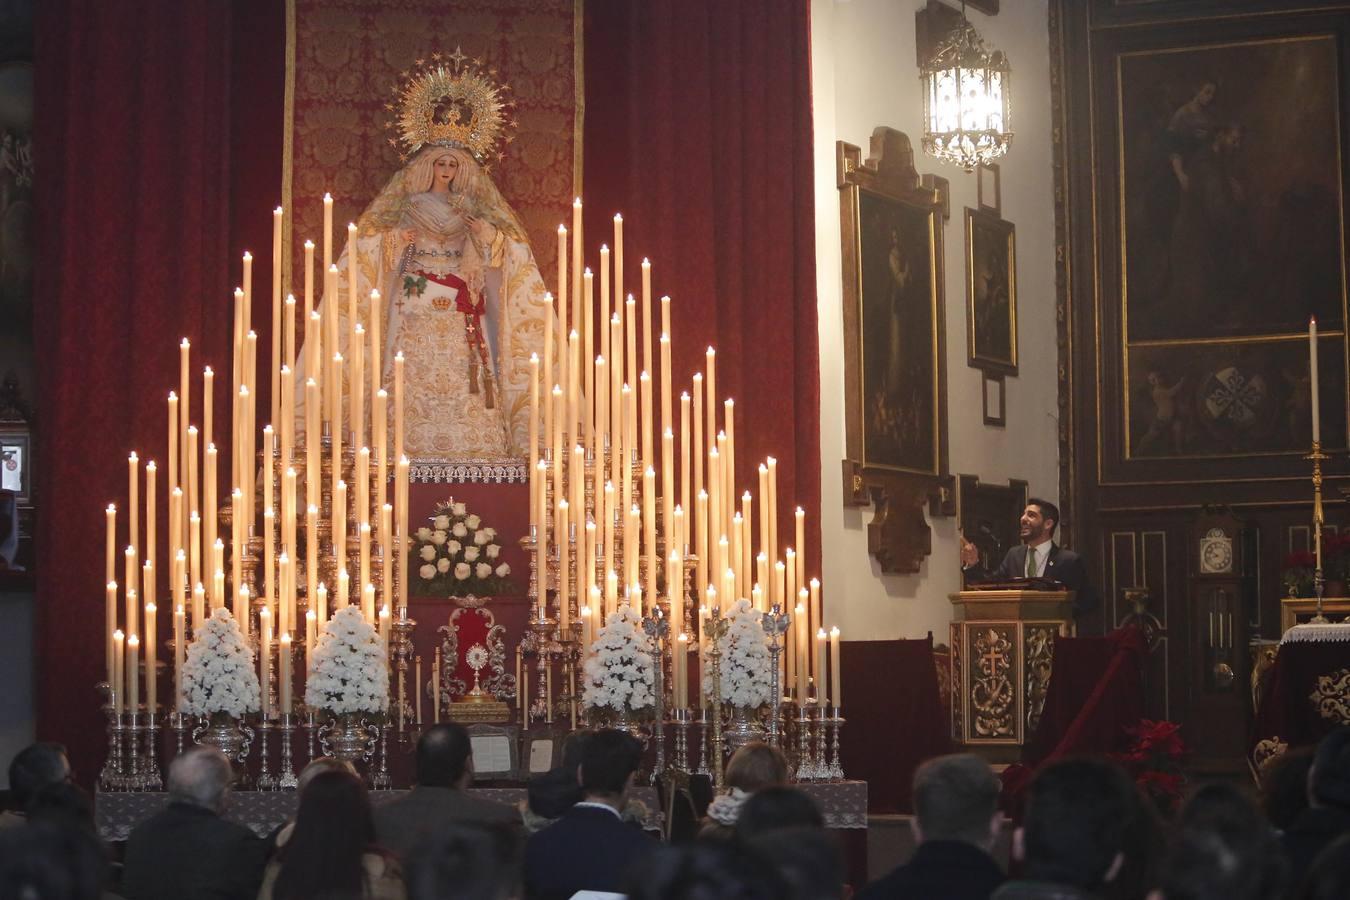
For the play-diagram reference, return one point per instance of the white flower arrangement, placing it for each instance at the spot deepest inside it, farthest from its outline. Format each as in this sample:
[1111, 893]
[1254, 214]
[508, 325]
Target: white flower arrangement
[745, 659]
[452, 556]
[349, 672]
[619, 672]
[218, 675]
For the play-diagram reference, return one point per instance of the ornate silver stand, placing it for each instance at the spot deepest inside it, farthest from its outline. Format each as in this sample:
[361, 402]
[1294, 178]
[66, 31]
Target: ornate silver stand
[683, 717]
[657, 629]
[716, 630]
[287, 780]
[775, 624]
[835, 770]
[266, 780]
[381, 780]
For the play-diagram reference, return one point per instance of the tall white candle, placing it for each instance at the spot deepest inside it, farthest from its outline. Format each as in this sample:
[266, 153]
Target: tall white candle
[1312, 380]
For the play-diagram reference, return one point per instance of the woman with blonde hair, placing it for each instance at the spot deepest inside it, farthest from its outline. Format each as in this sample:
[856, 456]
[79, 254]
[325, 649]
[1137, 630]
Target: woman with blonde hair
[752, 768]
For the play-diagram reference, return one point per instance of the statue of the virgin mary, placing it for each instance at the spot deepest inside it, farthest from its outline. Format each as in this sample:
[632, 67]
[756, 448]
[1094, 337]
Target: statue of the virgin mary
[462, 297]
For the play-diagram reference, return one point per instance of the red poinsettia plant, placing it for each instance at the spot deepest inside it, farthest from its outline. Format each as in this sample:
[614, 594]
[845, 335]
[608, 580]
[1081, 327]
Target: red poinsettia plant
[1154, 760]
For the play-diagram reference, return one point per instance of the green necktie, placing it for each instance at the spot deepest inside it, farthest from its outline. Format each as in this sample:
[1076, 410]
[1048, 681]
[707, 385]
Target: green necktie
[1031, 562]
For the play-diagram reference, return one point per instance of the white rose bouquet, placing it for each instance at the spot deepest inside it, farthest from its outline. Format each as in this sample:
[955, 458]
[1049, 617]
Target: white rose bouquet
[745, 659]
[457, 555]
[619, 672]
[218, 674]
[350, 670]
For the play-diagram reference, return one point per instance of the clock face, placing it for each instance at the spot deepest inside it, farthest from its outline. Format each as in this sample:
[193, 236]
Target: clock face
[1216, 553]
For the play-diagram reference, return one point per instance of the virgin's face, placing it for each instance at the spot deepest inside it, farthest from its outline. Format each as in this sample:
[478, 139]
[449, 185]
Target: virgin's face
[443, 172]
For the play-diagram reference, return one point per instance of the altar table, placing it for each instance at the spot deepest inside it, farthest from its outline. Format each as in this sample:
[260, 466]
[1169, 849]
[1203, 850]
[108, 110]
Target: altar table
[844, 805]
[1306, 692]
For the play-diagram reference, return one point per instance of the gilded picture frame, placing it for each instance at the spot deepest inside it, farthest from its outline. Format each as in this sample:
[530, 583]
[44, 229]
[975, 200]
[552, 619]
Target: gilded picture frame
[991, 292]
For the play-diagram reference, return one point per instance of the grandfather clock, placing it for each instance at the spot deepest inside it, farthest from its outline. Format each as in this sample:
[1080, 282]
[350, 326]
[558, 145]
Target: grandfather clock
[1220, 574]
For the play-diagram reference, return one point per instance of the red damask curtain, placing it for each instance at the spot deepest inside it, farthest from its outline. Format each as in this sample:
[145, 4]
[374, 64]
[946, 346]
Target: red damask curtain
[154, 123]
[698, 129]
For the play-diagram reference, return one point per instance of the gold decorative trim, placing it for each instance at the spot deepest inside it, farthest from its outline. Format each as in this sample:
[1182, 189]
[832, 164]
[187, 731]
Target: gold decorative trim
[1268, 749]
[1331, 697]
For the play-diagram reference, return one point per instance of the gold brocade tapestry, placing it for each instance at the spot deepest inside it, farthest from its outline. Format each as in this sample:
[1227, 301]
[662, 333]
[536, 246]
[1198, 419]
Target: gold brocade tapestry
[347, 58]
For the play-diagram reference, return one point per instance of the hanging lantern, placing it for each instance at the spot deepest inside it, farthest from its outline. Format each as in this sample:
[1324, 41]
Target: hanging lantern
[967, 100]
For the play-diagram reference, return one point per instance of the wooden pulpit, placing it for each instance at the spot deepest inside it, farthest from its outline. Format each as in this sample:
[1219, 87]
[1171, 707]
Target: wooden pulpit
[1003, 645]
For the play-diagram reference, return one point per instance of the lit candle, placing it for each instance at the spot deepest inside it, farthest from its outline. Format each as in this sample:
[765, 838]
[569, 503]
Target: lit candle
[603, 316]
[401, 549]
[175, 522]
[534, 441]
[328, 230]
[630, 339]
[110, 617]
[540, 514]
[384, 628]
[340, 532]
[133, 674]
[151, 688]
[576, 263]
[208, 406]
[132, 578]
[276, 308]
[312, 554]
[648, 362]
[198, 608]
[835, 691]
[803, 644]
[562, 282]
[816, 617]
[1313, 373]
[684, 455]
[322, 607]
[311, 632]
[682, 671]
[618, 261]
[771, 510]
[284, 651]
[368, 602]
[133, 512]
[194, 551]
[820, 668]
[119, 662]
[110, 569]
[561, 530]
[710, 375]
[357, 381]
[649, 529]
[179, 654]
[265, 660]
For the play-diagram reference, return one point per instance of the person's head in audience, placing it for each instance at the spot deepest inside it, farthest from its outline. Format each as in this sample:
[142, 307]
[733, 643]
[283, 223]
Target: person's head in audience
[1329, 876]
[609, 763]
[34, 767]
[956, 799]
[63, 804]
[1073, 830]
[444, 756]
[467, 862]
[318, 767]
[1329, 777]
[809, 860]
[774, 809]
[552, 793]
[200, 776]
[333, 831]
[1284, 786]
[1223, 849]
[44, 861]
[718, 870]
[756, 766]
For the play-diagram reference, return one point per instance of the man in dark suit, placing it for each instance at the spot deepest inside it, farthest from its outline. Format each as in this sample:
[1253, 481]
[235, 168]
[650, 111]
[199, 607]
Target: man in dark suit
[186, 851]
[1038, 556]
[957, 819]
[440, 798]
[590, 847]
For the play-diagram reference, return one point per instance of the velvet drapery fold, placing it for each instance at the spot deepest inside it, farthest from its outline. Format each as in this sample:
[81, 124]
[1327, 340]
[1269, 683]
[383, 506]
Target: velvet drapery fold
[146, 131]
[698, 129]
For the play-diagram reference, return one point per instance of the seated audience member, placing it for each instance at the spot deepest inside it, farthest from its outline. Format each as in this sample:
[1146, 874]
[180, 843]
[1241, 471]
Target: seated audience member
[44, 861]
[707, 870]
[331, 852]
[33, 767]
[808, 860]
[554, 792]
[1223, 849]
[281, 833]
[1284, 786]
[467, 862]
[774, 809]
[1328, 814]
[440, 797]
[956, 821]
[1072, 839]
[1329, 877]
[590, 847]
[752, 768]
[187, 849]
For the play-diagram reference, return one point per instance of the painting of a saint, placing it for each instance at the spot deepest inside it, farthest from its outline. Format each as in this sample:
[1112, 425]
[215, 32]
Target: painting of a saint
[1231, 189]
[899, 335]
[991, 292]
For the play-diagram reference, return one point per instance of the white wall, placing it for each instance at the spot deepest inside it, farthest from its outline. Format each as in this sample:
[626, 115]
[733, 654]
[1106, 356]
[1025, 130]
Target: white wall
[864, 75]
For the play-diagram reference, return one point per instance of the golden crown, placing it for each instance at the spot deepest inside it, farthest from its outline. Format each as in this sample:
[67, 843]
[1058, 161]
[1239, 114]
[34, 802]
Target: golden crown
[451, 101]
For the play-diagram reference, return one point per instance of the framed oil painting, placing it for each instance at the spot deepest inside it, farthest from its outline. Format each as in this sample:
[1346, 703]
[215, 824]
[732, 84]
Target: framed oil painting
[895, 413]
[991, 292]
[1231, 239]
[893, 322]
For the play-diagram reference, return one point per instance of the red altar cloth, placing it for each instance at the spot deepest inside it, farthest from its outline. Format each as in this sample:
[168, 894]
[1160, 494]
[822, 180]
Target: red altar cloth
[1286, 712]
[894, 717]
